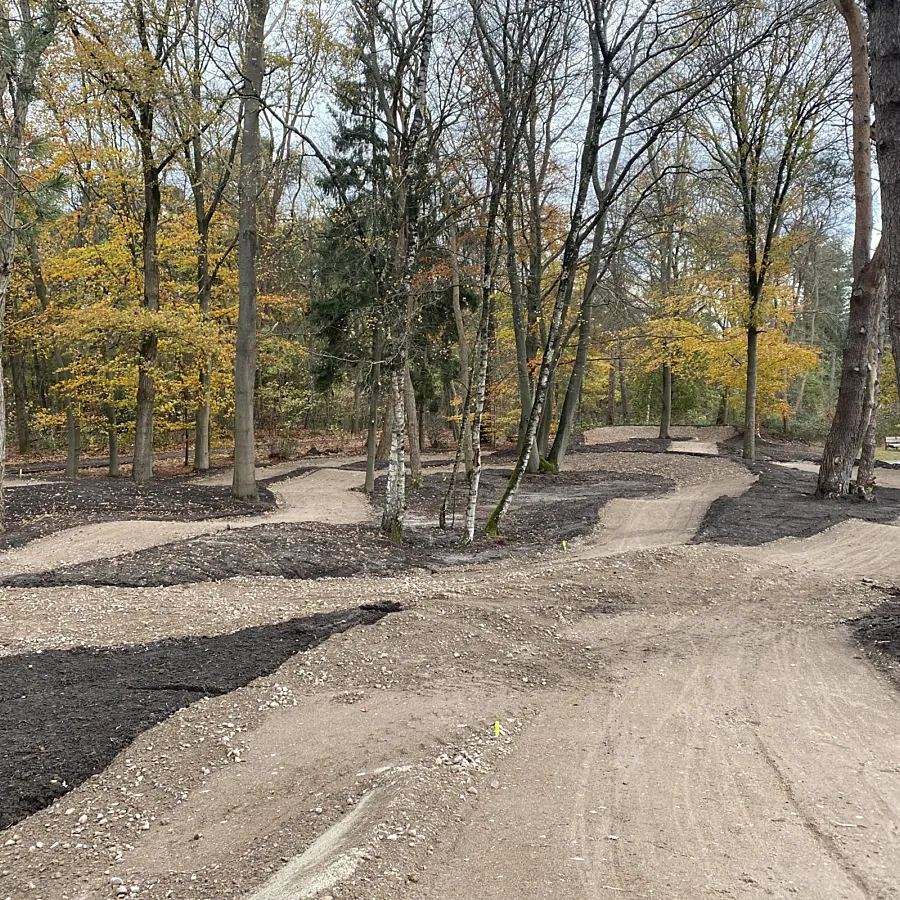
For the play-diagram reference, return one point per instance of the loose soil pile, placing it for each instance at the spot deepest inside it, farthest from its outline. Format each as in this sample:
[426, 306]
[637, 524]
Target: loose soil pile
[782, 504]
[65, 714]
[34, 511]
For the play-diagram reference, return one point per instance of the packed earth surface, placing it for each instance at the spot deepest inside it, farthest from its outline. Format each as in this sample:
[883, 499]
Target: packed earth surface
[675, 676]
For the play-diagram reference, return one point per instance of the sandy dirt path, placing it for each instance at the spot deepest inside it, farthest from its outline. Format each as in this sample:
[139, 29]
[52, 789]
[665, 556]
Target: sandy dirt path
[327, 495]
[733, 757]
[686, 722]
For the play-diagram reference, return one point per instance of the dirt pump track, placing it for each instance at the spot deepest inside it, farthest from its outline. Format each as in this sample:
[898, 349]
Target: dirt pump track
[675, 720]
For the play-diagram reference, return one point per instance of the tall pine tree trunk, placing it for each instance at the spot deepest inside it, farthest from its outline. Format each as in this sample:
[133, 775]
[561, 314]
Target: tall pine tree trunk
[243, 485]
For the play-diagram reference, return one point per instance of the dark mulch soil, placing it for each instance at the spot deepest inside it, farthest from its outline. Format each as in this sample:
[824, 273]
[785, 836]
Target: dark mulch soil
[775, 450]
[64, 714]
[635, 445]
[302, 550]
[879, 631]
[782, 504]
[37, 510]
[548, 510]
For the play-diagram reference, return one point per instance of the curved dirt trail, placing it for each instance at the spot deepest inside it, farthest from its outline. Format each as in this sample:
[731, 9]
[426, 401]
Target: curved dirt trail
[853, 547]
[328, 495]
[644, 524]
[734, 757]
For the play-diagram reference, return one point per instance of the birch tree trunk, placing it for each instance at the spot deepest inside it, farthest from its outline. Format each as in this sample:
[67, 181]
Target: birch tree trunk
[244, 481]
[480, 390]
[455, 283]
[395, 494]
[410, 167]
[865, 476]
[374, 400]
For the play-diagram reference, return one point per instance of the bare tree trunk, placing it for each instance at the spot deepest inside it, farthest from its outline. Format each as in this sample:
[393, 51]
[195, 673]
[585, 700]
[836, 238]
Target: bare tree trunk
[112, 436]
[572, 400]
[244, 482]
[464, 372]
[865, 476]
[665, 420]
[73, 442]
[383, 453]
[412, 428]
[623, 385]
[850, 415]
[480, 389]
[142, 467]
[857, 396]
[750, 397]
[611, 394]
[20, 391]
[374, 400]
[36, 35]
[411, 164]
[395, 494]
[520, 332]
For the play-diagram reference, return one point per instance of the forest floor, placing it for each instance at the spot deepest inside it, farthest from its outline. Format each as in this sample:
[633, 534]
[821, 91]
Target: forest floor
[675, 677]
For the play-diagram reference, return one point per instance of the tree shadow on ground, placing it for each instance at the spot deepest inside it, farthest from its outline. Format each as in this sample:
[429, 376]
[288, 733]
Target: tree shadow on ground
[65, 714]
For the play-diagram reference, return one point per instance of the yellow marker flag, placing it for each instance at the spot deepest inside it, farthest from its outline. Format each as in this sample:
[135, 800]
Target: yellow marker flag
[496, 729]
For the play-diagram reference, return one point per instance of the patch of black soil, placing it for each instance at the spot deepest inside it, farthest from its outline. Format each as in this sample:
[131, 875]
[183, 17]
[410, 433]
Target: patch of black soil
[783, 504]
[548, 510]
[36, 510]
[775, 449]
[578, 444]
[879, 630]
[635, 445]
[288, 550]
[64, 714]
